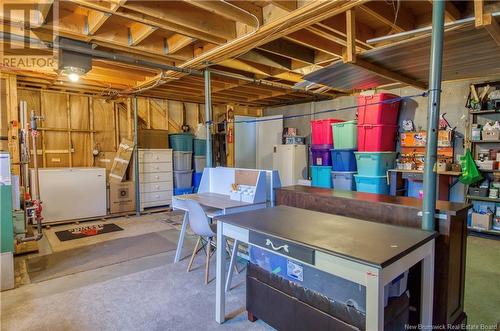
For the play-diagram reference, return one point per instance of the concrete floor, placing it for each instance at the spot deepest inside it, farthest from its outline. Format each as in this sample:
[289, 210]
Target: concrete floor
[152, 293]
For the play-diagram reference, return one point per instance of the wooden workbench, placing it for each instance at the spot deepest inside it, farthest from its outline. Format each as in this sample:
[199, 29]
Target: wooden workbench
[450, 244]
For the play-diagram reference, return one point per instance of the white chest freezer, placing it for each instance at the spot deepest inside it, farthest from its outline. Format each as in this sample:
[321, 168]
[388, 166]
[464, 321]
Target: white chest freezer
[71, 193]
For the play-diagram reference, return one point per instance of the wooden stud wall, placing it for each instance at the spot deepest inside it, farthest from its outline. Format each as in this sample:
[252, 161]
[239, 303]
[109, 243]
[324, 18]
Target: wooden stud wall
[74, 124]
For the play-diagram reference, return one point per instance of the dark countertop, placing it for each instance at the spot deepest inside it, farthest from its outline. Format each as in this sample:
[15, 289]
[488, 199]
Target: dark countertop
[448, 207]
[365, 242]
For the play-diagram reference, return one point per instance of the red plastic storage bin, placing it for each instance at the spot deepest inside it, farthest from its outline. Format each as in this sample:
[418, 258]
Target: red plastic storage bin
[371, 112]
[377, 138]
[321, 131]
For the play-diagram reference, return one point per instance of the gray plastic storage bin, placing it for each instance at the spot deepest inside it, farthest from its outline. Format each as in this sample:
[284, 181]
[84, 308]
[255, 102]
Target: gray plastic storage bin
[200, 162]
[182, 160]
[183, 178]
[344, 180]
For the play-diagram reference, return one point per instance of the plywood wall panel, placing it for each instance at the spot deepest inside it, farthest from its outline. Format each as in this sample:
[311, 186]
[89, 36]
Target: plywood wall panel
[104, 125]
[176, 116]
[158, 114]
[192, 115]
[82, 149]
[79, 109]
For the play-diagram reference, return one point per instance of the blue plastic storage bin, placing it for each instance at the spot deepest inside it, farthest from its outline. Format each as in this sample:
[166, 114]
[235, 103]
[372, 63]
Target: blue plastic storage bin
[343, 159]
[372, 184]
[197, 178]
[343, 180]
[181, 142]
[374, 163]
[321, 176]
[181, 191]
[414, 188]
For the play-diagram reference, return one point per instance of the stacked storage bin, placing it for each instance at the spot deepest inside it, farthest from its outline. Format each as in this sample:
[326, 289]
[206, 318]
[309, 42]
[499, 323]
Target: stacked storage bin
[199, 160]
[182, 144]
[345, 137]
[377, 131]
[322, 142]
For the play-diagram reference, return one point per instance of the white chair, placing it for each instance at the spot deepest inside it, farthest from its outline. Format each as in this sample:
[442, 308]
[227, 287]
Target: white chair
[199, 223]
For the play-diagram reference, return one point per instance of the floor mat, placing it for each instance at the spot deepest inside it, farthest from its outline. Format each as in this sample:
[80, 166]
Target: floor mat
[84, 231]
[94, 256]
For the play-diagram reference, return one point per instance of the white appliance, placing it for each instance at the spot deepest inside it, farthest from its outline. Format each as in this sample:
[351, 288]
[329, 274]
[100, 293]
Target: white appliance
[291, 163]
[269, 131]
[71, 193]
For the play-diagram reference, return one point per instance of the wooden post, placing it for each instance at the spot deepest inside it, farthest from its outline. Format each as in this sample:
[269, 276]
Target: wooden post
[70, 143]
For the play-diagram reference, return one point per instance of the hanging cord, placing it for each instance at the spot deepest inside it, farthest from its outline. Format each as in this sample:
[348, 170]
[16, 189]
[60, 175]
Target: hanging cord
[388, 101]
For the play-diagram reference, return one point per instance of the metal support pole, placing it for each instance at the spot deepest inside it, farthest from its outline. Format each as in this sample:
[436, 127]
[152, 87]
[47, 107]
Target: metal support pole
[208, 117]
[436, 57]
[136, 162]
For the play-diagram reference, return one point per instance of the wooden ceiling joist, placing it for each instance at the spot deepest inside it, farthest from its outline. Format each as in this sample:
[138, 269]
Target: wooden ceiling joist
[226, 10]
[398, 19]
[137, 32]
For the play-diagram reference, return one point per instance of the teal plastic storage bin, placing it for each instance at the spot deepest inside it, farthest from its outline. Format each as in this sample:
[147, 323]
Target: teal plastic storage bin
[182, 142]
[374, 163]
[345, 135]
[200, 147]
[372, 184]
[321, 176]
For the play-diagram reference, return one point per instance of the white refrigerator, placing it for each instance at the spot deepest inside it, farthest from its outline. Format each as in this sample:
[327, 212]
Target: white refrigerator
[291, 163]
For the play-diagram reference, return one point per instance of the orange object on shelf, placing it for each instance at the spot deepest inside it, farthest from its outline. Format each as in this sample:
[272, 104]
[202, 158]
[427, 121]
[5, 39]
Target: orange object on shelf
[419, 138]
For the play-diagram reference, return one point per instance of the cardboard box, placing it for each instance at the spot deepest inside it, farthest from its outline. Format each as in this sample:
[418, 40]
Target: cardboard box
[491, 135]
[105, 160]
[121, 161]
[152, 138]
[481, 221]
[121, 197]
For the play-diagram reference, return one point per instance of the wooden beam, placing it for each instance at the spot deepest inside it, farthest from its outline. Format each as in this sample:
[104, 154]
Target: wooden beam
[95, 19]
[309, 39]
[268, 59]
[478, 13]
[351, 36]
[176, 42]
[289, 49]
[43, 7]
[225, 10]
[383, 72]
[386, 14]
[492, 26]
[137, 32]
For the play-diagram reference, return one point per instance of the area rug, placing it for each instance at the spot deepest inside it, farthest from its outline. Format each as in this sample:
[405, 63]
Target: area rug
[84, 231]
[95, 256]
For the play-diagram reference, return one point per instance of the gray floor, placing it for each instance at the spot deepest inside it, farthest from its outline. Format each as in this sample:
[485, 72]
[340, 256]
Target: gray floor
[149, 293]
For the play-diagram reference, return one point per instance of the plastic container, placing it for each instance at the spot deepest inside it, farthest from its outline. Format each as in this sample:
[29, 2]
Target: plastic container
[372, 112]
[321, 176]
[181, 142]
[320, 155]
[345, 135]
[377, 138]
[294, 140]
[182, 160]
[183, 178]
[343, 180]
[372, 184]
[478, 191]
[415, 189]
[321, 131]
[197, 179]
[374, 163]
[181, 191]
[200, 147]
[200, 162]
[343, 159]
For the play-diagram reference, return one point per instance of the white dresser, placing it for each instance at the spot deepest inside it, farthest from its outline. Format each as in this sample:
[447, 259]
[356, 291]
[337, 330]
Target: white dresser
[155, 177]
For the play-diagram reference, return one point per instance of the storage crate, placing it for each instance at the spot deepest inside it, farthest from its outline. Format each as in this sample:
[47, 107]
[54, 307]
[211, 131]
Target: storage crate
[377, 138]
[182, 191]
[320, 155]
[343, 160]
[200, 162]
[491, 135]
[370, 111]
[478, 191]
[343, 180]
[345, 135]
[321, 131]
[374, 163]
[321, 176]
[415, 189]
[183, 178]
[182, 160]
[181, 142]
[200, 147]
[294, 140]
[197, 178]
[372, 184]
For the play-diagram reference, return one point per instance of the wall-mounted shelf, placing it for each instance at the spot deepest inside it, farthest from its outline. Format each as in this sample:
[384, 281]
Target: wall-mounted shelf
[483, 199]
[485, 141]
[479, 112]
[490, 231]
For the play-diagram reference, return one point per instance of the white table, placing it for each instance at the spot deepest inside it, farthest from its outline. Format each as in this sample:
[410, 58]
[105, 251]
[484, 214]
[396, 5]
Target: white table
[219, 204]
[367, 253]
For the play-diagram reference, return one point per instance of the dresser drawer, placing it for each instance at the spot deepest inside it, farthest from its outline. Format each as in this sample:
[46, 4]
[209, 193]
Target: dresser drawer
[155, 167]
[298, 252]
[155, 177]
[164, 197]
[155, 156]
[156, 187]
